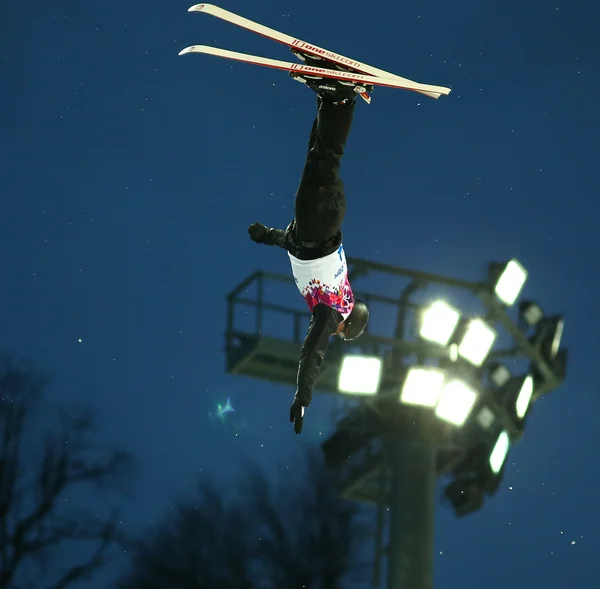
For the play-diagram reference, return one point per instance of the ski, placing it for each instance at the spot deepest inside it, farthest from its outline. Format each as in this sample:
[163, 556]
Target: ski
[298, 69]
[309, 48]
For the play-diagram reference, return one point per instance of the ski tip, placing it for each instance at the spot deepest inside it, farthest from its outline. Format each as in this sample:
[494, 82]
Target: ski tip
[189, 49]
[196, 8]
[196, 49]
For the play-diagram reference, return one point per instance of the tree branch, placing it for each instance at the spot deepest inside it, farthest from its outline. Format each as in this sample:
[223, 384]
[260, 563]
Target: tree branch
[65, 462]
[83, 572]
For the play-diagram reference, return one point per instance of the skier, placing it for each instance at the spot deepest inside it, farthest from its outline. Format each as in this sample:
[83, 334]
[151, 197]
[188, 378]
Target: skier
[313, 239]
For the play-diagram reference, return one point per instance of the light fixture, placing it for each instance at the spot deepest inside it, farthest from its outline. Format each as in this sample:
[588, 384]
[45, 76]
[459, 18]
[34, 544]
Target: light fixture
[499, 375]
[510, 279]
[359, 375]
[524, 397]
[548, 336]
[499, 453]
[485, 418]
[465, 495]
[456, 402]
[516, 395]
[559, 365]
[438, 323]
[422, 386]
[530, 312]
[477, 341]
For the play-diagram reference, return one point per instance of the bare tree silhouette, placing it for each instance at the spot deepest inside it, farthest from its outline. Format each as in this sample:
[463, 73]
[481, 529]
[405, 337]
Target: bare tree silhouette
[204, 544]
[44, 458]
[298, 534]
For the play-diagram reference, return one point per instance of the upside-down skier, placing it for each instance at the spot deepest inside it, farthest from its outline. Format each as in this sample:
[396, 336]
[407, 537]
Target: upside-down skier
[313, 239]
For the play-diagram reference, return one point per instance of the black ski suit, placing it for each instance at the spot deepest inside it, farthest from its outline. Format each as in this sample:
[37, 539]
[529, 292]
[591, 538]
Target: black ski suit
[315, 232]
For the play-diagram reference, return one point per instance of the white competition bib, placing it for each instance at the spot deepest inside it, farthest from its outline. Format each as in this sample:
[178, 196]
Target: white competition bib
[325, 281]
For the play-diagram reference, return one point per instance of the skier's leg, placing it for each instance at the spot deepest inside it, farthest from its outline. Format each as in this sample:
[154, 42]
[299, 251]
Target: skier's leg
[313, 132]
[320, 200]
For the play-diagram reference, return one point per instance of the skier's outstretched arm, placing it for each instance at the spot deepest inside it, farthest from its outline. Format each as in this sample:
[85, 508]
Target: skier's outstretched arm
[259, 233]
[323, 323]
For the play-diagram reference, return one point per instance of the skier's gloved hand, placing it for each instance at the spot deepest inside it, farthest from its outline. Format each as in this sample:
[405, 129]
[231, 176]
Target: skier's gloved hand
[297, 415]
[257, 232]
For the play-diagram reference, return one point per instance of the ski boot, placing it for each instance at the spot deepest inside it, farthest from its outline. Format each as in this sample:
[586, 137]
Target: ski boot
[338, 91]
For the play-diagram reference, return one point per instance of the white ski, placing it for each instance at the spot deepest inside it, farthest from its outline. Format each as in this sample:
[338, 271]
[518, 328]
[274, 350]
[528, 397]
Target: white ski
[314, 71]
[311, 49]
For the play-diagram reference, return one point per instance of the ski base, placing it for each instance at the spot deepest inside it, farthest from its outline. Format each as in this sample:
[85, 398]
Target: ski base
[300, 69]
[368, 74]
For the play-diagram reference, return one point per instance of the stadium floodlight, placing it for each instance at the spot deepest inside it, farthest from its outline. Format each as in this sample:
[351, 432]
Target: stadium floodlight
[524, 397]
[516, 395]
[422, 386]
[530, 312]
[549, 334]
[465, 495]
[485, 418]
[499, 453]
[499, 375]
[511, 278]
[559, 364]
[477, 342]
[438, 323]
[456, 402]
[359, 375]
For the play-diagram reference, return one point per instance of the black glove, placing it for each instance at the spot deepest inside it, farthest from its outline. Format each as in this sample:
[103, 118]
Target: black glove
[257, 232]
[297, 415]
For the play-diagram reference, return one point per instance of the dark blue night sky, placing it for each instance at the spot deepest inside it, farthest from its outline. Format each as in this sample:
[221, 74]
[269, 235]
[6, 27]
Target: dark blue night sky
[129, 176]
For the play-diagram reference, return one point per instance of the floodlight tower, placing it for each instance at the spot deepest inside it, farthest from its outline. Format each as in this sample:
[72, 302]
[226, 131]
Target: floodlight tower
[453, 410]
[436, 400]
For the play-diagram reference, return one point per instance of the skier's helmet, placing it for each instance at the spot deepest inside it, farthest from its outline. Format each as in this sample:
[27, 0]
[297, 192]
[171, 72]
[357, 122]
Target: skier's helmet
[356, 322]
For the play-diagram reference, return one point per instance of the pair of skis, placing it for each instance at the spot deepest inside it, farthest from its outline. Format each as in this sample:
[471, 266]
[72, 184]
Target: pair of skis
[354, 71]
